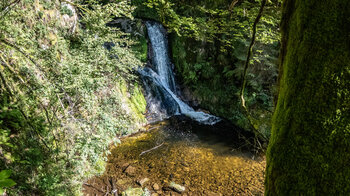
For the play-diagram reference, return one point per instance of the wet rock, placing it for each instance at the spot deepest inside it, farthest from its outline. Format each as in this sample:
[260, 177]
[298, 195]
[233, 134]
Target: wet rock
[156, 187]
[142, 181]
[130, 170]
[176, 187]
[133, 192]
[146, 192]
[122, 182]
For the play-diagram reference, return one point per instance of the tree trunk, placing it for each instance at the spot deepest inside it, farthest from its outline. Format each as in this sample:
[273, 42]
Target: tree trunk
[309, 150]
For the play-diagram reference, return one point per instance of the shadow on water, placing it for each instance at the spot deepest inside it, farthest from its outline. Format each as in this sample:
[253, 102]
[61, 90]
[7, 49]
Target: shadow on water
[207, 160]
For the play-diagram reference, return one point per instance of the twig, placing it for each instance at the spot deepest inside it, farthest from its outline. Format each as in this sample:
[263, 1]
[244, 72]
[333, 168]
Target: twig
[8, 43]
[232, 5]
[153, 128]
[89, 185]
[5, 84]
[144, 152]
[6, 8]
[257, 19]
[22, 112]
[25, 84]
[76, 5]
[244, 78]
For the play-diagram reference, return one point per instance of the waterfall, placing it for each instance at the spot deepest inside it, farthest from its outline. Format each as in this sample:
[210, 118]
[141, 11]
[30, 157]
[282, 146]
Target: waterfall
[160, 84]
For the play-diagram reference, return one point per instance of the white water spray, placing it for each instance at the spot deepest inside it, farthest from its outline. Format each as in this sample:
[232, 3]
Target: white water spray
[161, 80]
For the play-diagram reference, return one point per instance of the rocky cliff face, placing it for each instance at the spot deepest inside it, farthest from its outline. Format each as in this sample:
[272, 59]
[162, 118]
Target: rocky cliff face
[209, 52]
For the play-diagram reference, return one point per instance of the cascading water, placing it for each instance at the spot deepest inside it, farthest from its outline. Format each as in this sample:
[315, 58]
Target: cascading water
[160, 84]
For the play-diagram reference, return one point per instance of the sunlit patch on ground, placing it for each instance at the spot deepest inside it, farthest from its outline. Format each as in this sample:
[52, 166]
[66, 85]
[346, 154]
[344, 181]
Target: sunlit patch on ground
[164, 155]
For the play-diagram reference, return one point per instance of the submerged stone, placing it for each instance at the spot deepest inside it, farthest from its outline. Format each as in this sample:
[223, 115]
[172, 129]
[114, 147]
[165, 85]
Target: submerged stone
[156, 187]
[130, 170]
[133, 192]
[176, 187]
[142, 181]
[196, 160]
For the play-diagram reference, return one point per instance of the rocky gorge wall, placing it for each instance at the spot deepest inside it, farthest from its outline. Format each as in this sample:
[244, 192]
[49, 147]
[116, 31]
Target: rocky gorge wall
[208, 44]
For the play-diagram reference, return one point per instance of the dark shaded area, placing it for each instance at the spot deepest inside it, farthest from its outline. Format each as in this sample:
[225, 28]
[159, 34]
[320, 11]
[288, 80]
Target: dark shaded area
[223, 132]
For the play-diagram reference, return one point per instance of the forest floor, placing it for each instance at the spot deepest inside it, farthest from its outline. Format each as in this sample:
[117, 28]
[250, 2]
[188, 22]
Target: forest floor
[166, 161]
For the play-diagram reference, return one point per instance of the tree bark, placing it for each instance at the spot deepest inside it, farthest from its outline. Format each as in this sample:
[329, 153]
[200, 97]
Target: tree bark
[309, 150]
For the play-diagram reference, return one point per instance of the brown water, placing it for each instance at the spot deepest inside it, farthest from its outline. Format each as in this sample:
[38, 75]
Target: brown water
[200, 160]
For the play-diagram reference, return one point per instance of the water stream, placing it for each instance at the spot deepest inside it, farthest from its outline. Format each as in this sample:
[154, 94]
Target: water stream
[182, 151]
[160, 84]
[195, 150]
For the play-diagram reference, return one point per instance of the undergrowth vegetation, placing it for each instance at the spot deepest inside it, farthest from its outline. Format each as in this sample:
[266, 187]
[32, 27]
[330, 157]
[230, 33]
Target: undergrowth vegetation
[64, 95]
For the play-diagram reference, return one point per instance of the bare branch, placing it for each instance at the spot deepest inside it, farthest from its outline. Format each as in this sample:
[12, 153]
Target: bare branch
[144, 152]
[246, 65]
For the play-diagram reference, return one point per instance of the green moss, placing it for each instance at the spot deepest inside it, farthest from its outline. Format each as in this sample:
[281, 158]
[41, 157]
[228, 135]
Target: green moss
[138, 101]
[140, 48]
[135, 99]
[310, 143]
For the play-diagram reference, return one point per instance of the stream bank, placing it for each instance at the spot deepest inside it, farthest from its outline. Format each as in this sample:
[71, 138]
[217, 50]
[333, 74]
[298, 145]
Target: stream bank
[180, 152]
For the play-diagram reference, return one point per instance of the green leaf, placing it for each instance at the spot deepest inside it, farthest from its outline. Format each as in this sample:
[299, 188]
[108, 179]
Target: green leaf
[7, 183]
[5, 174]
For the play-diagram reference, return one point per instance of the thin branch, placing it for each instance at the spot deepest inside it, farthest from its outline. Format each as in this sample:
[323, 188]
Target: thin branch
[246, 65]
[10, 4]
[250, 49]
[7, 8]
[232, 5]
[25, 84]
[22, 112]
[76, 5]
[12, 45]
[89, 185]
[2, 77]
[146, 151]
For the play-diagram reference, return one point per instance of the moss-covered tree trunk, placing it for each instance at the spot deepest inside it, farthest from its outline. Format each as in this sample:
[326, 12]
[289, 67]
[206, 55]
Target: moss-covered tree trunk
[309, 150]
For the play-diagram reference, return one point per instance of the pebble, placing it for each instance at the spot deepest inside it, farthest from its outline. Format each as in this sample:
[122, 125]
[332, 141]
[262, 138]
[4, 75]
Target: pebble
[156, 187]
[133, 192]
[142, 181]
[176, 187]
[130, 170]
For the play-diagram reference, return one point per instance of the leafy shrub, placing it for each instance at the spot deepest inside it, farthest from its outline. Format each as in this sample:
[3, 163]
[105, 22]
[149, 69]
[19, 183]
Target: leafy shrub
[61, 99]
